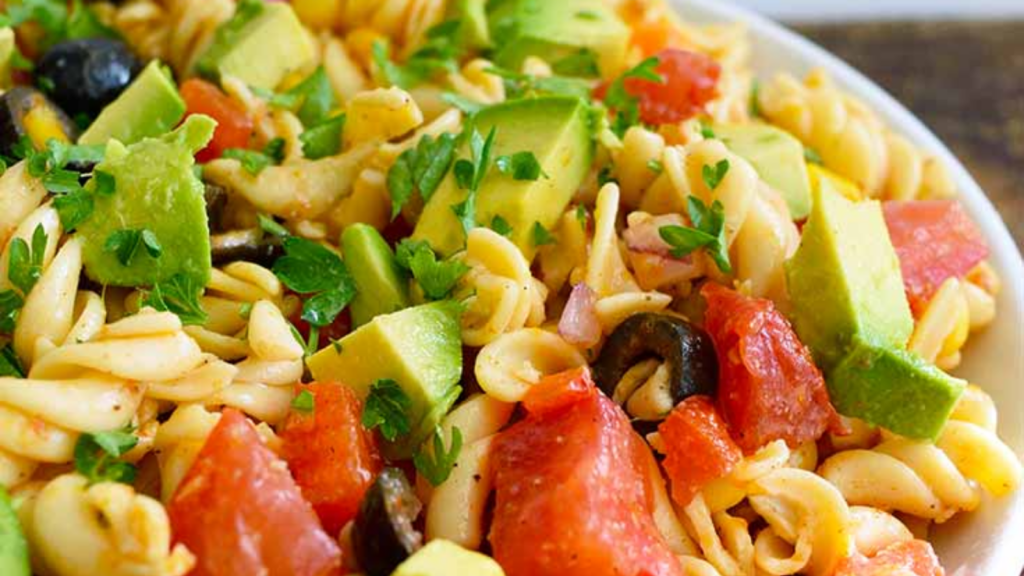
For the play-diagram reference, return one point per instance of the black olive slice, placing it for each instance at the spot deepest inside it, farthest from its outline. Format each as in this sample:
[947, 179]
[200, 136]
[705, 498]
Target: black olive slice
[85, 75]
[251, 245]
[687, 349]
[383, 535]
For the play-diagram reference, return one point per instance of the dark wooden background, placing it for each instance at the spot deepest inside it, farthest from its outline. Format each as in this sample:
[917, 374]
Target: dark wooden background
[965, 80]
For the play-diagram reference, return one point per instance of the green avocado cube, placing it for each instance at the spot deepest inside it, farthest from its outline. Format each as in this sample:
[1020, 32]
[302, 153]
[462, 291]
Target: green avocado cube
[420, 348]
[894, 389]
[778, 158]
[381, 286]
[155, 190]
[555, 129]
[149, 107]
[555, 29]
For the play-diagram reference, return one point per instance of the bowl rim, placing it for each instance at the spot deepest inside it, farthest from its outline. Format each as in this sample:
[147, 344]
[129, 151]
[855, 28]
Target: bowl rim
[1005, 555]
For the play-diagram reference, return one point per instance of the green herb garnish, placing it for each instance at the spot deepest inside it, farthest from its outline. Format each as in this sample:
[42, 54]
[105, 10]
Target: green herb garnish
[386, 408]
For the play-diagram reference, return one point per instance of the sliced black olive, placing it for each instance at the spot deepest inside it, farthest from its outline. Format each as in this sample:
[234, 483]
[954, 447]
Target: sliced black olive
[383, 535]
[216, 198]
[251, 245]
[27, 112]
[687, 349]
[85, 75]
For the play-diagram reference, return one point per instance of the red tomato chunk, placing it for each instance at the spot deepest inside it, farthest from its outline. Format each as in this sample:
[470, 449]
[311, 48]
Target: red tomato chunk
[935, 240]
[234, 126]
[690, 82]
[572, 497]
[769, 387]
[239, 511]
[698, 447]
[332, 457]
[903, 558]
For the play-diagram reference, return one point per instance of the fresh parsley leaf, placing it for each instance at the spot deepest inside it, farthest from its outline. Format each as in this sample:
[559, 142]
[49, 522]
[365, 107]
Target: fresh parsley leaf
[468, 107]
[312, 269]
[45, 84]
[10, 364]
[10, 305]
[437, 278]
[386, 408]
[521, 166]
[180, 295]
[605, 176]
[322, 309]
[469, 174]
[271, 226]
[97, 456]
[275, 149]
[439, 54]
[105, 183]
[713, 175]
[707, 132]
[811, 155]
[74, 208]
[318, 98]
[245, 310]
[323, 139]
[420, 170]
[581, 64]
[61, 181]
[519, 85]
[436, 465]
[708, 232]
[465, 211]
[655, 166]
[25, 263]
[304, 402]
[252, 161]
[541, 236]
[125, 244]
[627, 106]
[684, 240]
[501, 226]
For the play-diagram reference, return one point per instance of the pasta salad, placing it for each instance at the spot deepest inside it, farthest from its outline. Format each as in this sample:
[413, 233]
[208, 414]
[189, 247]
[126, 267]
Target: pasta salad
[469, 288]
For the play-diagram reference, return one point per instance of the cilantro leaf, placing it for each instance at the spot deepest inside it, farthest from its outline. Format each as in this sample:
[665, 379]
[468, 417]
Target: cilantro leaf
[684, 240]
[180, 295]
[707, 132]
[541, 236]
[252, 161]
[105, 183]
[713, 175]
[61, 181]
[521, 166]
[519, 85]
[97, 456]
[304, 402]
[708, 232]
[322, 309]
[385, 408]
[655, 166]
[439, 54]
[323, 139]
[437, 279]
[436, 466]
[125, 243]
[501, 226]
[626, 105]
[10, 305]
[469, 174]
[74, 208]
[25, 263]
[10, 364]
[312, 269]
[420, 170]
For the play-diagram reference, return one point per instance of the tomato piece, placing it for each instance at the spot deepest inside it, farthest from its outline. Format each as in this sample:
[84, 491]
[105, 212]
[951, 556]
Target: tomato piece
[571, 490]
[698, 447]
[768, 385]
[904, 558]
[234, 126]
[690, 81]
[239, 511]
[559, 390]
[332, 457]
[935, 240]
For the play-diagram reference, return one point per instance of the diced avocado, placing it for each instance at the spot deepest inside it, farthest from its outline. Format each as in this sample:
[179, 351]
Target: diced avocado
[821, 176]
[149, 107]
[260, 45]
[472, 15]
[556, 130]
[13, 546]
[778, 158]
[420, 348]
[894, 389]
[844, 281]
[444, 558]
[553, 30]
[382, 287]
[156, 190]
[849, 307]
[7, 50]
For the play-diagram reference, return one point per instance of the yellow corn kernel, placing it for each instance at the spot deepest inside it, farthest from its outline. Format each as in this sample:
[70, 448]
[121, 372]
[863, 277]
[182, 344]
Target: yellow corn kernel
[318, 14]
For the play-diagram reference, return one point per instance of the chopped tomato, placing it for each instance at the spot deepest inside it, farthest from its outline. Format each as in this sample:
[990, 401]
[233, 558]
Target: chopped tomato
[572, 495]
[332, 457]
[904, 558]
[239, 511]
[559, 390]
[698, 447]
[690, 81]
[234, 126]
[768, 387]
[935, 240]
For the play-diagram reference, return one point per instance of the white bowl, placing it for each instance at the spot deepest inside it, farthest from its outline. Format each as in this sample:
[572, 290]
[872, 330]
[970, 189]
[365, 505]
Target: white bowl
[990, 541]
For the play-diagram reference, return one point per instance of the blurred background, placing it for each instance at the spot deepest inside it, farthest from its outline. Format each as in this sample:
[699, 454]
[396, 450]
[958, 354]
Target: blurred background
[957, 64]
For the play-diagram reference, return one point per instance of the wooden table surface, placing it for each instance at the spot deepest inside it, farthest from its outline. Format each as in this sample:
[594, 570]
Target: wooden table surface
[965, 80]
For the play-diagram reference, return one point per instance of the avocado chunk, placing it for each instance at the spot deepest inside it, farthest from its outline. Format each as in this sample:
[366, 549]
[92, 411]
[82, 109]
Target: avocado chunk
[157, 191]
[7, 49]
[849, 307]
[553, 30]
[556, 130]
[778, 158]
[444, 558]
[382, 287]
[420, 348]
[261, 44]
[13, 546]
[821, 176]
[149, 107]
[472, 15]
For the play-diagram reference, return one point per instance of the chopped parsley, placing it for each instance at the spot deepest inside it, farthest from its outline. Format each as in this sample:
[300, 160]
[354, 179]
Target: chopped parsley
[470, 173]
[521, 166]
[708, 232]
[10, 364]
[323, 139]
[811, 155]
[436, 278]
[97, 456]
[271, 226]
[501, 226]
[420, 170]
[304, 402]
[254, 161]
[311, 269]
[386, 408]
[312, 99]
[713, 175]
[626, 105]
[25, 263]
[439, 54]
[655, 166]
[436, 465]
[581, 64]
[519, 85]
[541, 236]
[180, 295]
[125, 244]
